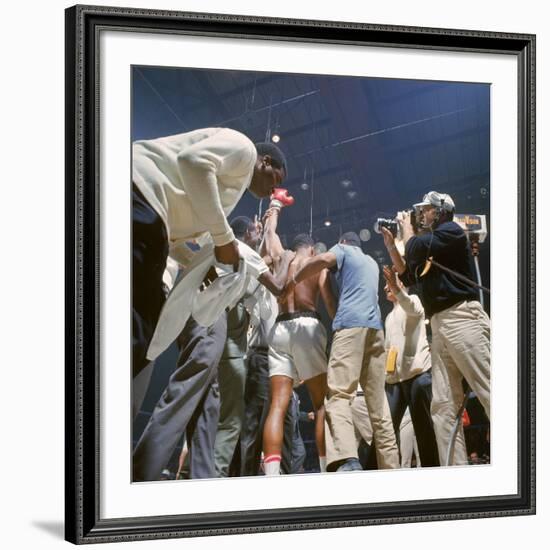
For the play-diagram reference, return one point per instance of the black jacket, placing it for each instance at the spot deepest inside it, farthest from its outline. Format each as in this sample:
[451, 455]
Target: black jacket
[448, 245]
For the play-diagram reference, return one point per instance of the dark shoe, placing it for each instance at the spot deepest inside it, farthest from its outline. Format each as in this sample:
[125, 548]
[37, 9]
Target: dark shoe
[350, 465]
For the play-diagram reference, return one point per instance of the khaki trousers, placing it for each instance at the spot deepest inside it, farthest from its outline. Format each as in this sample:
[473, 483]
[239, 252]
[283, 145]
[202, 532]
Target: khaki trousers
[460, 348]
[358, 355]
[361, 420]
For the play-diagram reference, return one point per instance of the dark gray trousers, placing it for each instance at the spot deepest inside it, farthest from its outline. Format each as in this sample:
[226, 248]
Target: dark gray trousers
[298, 447]
[190, 405]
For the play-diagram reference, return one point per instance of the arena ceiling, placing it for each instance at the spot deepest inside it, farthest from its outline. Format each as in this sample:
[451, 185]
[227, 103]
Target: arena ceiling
[357, 148]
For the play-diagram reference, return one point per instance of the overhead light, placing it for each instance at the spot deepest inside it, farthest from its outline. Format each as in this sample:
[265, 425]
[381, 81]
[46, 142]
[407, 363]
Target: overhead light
[351, 194]
[328, 223]
[345, 183]
[304, 186]
[275, 138]
[483, 191]
[364, 235]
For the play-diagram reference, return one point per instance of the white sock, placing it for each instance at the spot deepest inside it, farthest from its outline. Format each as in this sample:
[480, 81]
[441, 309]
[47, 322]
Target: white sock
[272, 465]
[323, 463]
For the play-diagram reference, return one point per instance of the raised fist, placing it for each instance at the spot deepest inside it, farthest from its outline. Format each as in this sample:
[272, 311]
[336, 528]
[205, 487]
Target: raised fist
[280, 198]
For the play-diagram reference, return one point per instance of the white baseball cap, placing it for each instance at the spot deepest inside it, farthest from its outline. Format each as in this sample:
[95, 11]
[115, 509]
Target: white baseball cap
[433, 198]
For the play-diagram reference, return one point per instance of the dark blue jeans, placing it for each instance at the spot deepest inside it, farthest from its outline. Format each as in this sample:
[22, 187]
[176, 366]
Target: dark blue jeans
[416, 394]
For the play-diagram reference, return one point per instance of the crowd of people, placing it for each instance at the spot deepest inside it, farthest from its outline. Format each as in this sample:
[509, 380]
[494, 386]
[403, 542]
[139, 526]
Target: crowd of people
[245, 313]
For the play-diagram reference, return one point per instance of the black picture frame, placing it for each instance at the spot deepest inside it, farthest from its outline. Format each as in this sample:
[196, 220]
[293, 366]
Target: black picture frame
[83, 25]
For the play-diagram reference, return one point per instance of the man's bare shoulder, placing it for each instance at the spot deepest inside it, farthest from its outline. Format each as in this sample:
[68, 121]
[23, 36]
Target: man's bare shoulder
[300, 261]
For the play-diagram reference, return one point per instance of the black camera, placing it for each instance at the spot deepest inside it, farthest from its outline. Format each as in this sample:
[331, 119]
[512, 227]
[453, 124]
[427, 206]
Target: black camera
[389, 224]
[392, 225]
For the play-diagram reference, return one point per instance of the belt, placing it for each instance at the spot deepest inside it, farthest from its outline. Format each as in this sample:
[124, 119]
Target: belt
[260, 349]
[297, 315]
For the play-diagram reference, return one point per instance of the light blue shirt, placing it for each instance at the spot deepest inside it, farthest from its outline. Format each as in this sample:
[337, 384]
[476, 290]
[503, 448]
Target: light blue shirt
[357, 277]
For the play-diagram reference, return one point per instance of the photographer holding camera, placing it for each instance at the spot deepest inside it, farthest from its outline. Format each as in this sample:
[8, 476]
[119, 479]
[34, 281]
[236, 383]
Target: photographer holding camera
[460, 326]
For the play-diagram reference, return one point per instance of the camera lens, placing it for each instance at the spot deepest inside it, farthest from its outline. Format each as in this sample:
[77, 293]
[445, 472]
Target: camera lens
[391, 225]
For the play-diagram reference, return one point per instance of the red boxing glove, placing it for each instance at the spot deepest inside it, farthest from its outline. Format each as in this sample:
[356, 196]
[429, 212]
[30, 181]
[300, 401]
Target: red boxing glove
[280, 198]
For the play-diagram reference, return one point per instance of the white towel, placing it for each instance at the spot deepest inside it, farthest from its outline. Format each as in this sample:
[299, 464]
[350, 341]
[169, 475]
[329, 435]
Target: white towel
[179, 304]
[206, 306]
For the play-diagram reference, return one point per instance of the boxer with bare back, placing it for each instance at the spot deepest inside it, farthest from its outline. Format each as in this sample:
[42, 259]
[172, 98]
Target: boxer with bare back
[297, 350]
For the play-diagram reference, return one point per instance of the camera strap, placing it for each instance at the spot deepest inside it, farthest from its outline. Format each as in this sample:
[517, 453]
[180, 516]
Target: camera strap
[430, 261]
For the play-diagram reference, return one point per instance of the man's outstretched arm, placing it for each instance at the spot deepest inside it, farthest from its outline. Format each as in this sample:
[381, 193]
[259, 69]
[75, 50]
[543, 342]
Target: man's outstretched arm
[275, 282]
[327, 260]
[311, 267]
[327, 294]
[271, 245]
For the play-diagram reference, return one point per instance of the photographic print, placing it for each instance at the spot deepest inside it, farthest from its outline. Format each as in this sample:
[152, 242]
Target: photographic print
[320, 249]
[300, 274]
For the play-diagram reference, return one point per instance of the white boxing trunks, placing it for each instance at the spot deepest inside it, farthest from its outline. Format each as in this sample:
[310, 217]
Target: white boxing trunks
[298, 346]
